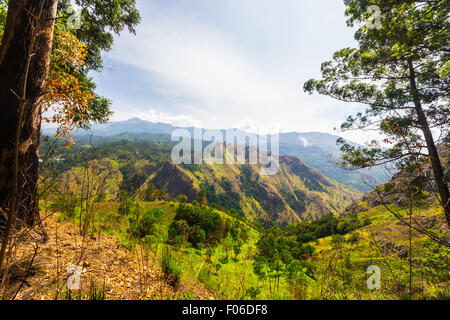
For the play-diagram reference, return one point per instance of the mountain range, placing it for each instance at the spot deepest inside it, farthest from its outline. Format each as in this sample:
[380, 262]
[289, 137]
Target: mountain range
[296, 193]
[317, 150]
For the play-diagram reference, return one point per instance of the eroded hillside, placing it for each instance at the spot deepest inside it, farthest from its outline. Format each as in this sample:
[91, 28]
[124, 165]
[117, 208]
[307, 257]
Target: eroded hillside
[296, 193]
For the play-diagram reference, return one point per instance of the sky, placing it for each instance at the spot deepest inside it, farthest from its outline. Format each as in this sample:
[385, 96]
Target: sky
[229, 64]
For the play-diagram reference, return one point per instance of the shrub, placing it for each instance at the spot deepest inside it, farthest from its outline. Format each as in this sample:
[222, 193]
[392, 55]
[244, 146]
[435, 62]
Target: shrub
[197, 225]
[143, 225]
[253, 292]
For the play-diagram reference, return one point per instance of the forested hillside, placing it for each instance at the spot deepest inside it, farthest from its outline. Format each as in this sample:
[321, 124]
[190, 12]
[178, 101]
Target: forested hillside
[234, 257]
[318, 150]
[296, 193]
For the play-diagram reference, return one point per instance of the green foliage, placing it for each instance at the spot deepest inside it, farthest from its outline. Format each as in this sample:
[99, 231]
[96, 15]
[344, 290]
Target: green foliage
[201, 198]
[399, 71]
[185, 296]
[170, 267]
[142, 225]
[140, 163]
[125, 153]
[3, 7]
[126, 203]
[253, 292]
[151, 193]
[285, 253]
[238, 261]
[133, 180]
[298, 279]
[65, 204]
[203, 226]
[228, 201]
[182, 198]
[241, 263]
[101, 21]
[95, 293]
[281, 256]
[325, 226]
[250, 184]
[96, 180]
[196, 225]
[353, 238]
[434, 267]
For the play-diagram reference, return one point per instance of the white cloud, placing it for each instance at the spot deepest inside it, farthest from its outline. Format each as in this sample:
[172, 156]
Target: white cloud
[304, 141]
[196, 64]
[250, 125]
[175, 120]
[246, 72]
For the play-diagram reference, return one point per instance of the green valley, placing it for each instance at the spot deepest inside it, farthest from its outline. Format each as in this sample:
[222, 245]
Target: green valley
[198, 229]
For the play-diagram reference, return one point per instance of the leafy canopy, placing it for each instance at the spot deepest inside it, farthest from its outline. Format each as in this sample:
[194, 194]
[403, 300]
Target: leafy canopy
[378, 74]
[70, 100]
[101, 21]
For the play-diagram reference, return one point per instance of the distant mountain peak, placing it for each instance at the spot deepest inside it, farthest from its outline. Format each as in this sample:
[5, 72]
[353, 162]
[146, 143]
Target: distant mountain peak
[135, 119]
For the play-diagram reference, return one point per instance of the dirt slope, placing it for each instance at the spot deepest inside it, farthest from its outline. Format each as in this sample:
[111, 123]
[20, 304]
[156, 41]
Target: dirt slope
[125, 274]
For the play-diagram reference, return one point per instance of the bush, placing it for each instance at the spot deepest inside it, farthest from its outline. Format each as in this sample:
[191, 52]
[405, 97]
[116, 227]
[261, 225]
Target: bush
[197, 225]
[143, 225]
[325, 226]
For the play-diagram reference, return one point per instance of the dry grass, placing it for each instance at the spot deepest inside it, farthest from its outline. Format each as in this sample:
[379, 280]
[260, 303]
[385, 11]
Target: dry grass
[124, 274]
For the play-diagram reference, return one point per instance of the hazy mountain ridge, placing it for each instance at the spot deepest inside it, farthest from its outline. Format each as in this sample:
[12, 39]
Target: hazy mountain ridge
[318, 150]
[297, 193]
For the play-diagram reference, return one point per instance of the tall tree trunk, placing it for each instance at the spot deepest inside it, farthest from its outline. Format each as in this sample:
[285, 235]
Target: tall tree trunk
[436, 164]
[27, 20]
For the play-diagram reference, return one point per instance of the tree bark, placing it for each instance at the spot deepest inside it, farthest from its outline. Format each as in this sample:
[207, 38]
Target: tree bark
[436, 164]
[19, 34]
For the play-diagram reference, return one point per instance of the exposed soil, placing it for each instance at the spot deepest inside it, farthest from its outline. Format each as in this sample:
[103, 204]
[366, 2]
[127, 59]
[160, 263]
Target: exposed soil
[124, 274]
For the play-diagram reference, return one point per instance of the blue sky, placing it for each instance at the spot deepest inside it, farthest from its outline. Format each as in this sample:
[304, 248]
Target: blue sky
[228, 63]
